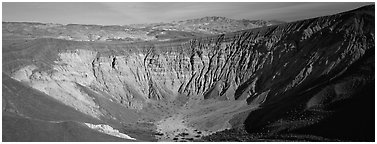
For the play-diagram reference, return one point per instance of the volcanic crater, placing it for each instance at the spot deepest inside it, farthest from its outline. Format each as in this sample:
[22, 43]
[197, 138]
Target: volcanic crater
[309, 80]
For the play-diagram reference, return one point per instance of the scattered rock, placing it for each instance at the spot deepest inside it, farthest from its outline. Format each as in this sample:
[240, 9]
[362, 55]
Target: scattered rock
[190, 139]
[159, 134]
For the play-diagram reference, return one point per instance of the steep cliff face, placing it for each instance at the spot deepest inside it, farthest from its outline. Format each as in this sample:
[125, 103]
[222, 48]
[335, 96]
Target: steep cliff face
[262, 66]
[327, 92]
[249, 64]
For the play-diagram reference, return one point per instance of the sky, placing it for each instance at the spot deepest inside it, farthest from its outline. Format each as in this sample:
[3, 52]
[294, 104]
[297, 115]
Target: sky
[117, 13]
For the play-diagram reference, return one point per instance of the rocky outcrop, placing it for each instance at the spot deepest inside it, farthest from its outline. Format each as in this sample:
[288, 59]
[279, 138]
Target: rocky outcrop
[108, 130]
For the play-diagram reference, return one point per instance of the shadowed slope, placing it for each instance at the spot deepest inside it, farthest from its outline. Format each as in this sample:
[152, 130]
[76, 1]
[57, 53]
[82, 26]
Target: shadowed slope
[29, 115]
[322, 103]
[21, 129]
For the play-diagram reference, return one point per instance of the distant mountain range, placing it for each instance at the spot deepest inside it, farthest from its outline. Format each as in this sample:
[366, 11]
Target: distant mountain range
[213, 25]
[134, 32]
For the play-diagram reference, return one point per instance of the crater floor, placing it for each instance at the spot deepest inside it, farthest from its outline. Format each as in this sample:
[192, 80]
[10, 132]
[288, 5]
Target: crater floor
[199, 118]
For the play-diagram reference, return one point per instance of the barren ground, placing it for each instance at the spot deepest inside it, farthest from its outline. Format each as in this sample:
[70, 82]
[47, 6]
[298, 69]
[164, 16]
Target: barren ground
[197, 119]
